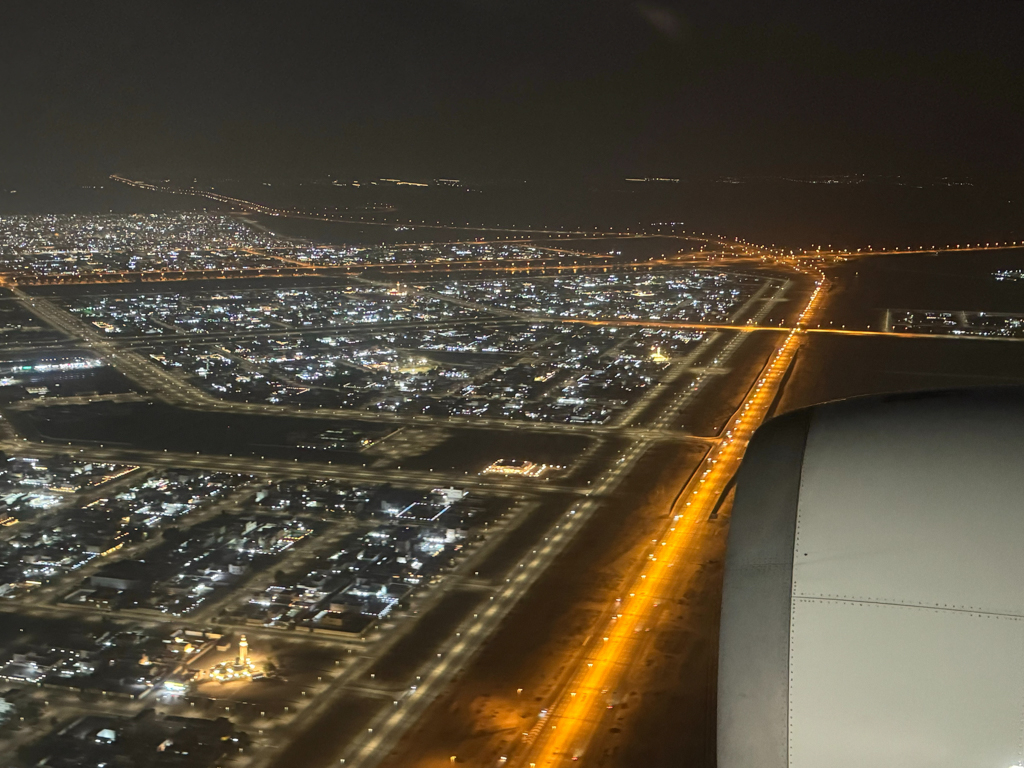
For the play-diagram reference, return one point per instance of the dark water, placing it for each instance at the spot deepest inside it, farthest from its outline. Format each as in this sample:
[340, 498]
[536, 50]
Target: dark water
[88, 196]
[864, 288]
[787, 212]
[832, 367]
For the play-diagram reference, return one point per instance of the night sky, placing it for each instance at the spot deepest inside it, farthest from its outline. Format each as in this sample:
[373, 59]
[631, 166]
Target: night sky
[508, 89]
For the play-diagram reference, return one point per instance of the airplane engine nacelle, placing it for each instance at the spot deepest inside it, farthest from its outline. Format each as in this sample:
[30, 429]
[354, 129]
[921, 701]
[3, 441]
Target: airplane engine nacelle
[873, 607]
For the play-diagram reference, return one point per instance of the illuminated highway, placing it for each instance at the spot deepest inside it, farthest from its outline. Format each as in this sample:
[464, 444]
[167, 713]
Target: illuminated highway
[754, 328]
[391, 723]
[735, 245]
[536, 266]
[935, 249]
[580, 709]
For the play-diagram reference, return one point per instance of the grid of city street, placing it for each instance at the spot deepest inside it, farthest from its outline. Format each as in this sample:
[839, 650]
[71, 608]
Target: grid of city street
[357, 474]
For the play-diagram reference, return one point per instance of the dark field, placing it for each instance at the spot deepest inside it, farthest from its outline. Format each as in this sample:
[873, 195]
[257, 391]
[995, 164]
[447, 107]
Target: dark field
[432, 629]
[95, 381]
[156, 426]
[471, 450]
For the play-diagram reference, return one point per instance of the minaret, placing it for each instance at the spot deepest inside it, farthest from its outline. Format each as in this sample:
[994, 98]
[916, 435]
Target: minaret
[243, 651]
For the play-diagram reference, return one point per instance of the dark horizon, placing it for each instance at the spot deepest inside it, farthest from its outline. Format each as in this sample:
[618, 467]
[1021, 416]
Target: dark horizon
[514, 90]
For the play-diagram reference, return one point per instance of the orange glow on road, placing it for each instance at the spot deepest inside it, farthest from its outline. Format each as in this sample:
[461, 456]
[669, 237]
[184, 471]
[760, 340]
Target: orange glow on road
[584, 703]
[786, 329]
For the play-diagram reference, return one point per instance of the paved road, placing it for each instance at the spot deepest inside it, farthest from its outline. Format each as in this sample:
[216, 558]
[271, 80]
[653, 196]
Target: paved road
[174, 390]
[391, 724]
[586, 687]
[249, 465]
[580, 709]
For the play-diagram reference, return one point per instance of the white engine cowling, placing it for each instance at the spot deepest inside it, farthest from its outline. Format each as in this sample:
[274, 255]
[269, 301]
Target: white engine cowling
[873, 606]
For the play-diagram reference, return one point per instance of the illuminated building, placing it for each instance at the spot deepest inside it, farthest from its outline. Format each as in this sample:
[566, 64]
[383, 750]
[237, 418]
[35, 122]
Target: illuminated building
[517, 468]
[242, 668]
